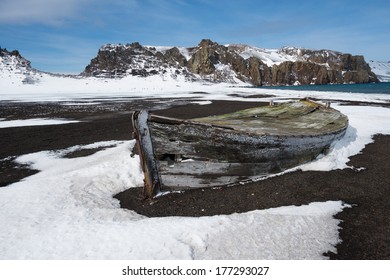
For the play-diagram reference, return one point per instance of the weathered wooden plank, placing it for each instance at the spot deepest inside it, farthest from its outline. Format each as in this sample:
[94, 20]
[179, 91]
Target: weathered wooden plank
[207, 168]
[146, 152]
[210, 143]
[185, 181]
[220, 145]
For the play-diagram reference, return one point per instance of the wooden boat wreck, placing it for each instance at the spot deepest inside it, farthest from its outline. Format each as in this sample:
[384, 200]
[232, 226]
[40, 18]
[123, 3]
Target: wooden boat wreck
[179, 154]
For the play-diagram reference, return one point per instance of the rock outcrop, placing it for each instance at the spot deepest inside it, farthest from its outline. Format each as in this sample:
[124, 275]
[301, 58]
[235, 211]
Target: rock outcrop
[13, 62]
[14, 58]
[134, 59]
[218, 63]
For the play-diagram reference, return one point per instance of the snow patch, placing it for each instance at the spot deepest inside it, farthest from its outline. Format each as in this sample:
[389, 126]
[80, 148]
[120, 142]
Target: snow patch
[34, 122]
[364, 123]
[67, 211]
[268, 56]
[206, 102]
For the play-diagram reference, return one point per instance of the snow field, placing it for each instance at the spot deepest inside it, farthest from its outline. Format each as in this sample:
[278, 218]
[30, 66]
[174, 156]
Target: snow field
[66, 211]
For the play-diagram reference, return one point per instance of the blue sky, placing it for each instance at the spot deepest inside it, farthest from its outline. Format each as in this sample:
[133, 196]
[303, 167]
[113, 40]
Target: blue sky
[64, 35]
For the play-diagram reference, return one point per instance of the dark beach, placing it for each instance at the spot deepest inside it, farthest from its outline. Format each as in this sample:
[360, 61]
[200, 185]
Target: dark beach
[365, 227]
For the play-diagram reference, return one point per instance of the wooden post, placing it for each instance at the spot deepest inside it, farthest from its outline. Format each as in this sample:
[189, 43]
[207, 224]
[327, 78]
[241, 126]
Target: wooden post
[146, 153]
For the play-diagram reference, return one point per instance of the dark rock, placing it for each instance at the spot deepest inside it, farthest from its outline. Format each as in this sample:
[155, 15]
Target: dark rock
[357, 70]
[173, 56]
[206, 56]
[322, 67]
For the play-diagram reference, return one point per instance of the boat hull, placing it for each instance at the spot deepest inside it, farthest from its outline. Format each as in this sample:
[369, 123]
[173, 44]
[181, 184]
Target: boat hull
[224, 150]
[196, 156]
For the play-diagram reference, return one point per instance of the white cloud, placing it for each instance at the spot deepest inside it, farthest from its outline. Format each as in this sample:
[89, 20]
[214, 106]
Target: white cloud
[41, 11]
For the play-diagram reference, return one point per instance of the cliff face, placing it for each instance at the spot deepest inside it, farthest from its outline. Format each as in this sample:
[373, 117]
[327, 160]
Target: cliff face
[214, 62]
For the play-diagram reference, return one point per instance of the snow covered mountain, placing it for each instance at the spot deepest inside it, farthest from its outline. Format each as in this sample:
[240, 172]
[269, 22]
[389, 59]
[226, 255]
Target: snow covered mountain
[229, 63]
[19, 80]
[154, 67]
[13, 65]
[16, 69]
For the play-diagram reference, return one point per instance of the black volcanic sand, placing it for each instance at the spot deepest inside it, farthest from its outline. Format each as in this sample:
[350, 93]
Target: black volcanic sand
[365, 228]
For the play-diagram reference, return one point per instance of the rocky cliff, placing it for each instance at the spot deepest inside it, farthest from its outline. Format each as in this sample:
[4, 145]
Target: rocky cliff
[214, 62]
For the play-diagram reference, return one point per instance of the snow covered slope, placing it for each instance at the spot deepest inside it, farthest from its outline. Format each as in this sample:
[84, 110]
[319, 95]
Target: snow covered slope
[270, 56]
[17, 75]
[381, 69]
[15, 68]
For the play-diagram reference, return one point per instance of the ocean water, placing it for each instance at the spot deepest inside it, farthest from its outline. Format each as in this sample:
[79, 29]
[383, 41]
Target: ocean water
[373, 88]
